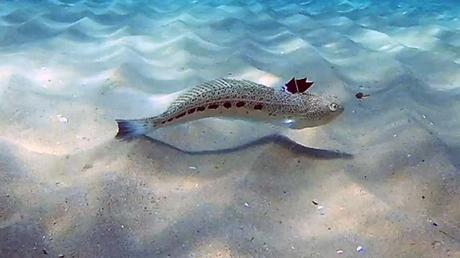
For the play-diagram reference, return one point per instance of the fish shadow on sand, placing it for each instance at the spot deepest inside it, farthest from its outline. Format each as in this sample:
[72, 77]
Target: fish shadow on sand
[278, 139]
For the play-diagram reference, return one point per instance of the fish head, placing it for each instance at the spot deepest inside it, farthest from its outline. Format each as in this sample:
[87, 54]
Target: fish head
[318, 110]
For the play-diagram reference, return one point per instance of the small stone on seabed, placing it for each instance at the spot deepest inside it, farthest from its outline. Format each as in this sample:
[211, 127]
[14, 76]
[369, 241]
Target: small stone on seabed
[340, 251]
[62, 119]
[361, 95]
[246, 204]
[321, 210]
[436, 244]
[359, 249]
[61, 256]
[191, 167]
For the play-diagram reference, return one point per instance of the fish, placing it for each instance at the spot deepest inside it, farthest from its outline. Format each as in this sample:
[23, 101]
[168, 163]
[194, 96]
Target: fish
[290, 105]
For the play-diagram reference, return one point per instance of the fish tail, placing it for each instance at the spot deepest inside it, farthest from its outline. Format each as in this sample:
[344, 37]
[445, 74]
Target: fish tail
[128, 129]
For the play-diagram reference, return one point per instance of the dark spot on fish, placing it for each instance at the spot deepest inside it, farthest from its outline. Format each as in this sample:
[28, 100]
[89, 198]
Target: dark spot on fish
[213, 106]
[169, 120]
[201, 108]
[240, 104]
[227, 105]
[163, 122]
[258, 106]
[180, 115]
[191, 111]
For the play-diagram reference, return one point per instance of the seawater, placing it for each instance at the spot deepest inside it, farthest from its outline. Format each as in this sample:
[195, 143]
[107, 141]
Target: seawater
[380, 181]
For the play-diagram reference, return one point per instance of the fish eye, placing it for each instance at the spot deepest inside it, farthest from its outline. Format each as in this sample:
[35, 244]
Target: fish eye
[333, 106]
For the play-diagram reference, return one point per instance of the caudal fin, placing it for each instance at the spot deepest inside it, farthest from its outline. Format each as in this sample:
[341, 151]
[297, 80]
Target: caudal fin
[128, 129]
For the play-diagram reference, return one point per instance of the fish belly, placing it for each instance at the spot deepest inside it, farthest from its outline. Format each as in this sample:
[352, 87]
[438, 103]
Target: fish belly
[222, 112]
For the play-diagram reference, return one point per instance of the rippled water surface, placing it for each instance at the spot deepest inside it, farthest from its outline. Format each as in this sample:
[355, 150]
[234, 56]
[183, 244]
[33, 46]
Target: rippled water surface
[383, 180]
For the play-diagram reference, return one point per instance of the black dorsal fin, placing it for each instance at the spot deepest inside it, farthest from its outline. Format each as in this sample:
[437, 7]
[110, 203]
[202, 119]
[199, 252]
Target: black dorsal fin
[297, 86]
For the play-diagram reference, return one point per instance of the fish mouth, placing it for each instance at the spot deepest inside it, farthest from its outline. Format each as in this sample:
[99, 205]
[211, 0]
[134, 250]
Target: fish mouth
[333, 115]
[337, 113]
[340, 109]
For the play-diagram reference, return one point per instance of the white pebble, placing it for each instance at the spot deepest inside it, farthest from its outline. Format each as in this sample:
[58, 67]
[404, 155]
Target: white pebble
[62, 119]
[340, 251]
[321, 210]
[191, 167]
[246, 205]
[359, 249]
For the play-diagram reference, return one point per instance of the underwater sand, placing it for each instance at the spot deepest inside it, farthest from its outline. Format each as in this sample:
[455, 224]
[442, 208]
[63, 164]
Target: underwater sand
[385, 176]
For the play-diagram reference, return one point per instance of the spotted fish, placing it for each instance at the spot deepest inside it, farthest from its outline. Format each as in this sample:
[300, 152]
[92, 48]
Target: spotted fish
[290, 105]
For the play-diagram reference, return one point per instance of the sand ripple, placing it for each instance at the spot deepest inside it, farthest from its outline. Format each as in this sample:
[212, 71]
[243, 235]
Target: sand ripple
[69, 68]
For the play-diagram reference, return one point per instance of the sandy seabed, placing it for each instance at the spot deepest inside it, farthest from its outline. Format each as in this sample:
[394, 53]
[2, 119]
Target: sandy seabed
[385, 176]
